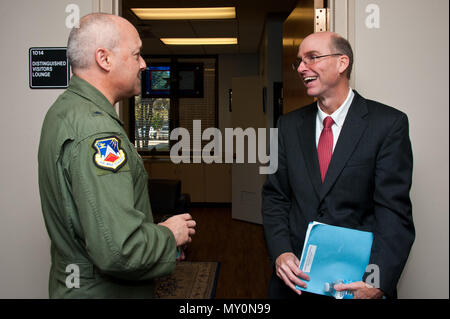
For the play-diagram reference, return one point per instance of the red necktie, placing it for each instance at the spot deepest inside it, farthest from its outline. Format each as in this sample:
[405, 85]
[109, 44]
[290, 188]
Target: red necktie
[325, 147]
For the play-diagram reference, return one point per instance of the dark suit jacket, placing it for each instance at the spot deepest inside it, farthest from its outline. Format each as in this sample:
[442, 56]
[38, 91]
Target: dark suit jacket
[366, 186]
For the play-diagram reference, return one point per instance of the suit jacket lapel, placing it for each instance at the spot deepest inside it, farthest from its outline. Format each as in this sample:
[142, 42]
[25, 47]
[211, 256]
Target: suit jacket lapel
[351, 132]
[307, 136]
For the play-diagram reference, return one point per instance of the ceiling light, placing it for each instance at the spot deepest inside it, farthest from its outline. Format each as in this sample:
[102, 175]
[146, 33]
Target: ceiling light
[185, 13]
[199, 41]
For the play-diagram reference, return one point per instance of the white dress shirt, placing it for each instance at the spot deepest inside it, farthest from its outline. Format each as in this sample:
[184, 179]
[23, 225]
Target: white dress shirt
[338, 117]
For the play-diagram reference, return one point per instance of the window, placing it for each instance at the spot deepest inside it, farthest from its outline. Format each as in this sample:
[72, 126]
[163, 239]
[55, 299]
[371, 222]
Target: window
[151, 123]
[175, 91]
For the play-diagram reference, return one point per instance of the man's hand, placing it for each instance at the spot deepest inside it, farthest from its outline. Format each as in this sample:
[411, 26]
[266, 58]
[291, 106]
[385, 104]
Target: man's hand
[361, 290]
[182, 226]
[287, 269]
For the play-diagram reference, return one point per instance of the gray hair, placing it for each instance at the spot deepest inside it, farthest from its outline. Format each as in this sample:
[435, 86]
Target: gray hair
[341, 45]
[96, 30]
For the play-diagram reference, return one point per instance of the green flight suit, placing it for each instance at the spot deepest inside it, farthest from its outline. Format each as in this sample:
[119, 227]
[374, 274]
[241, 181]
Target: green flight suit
[93, 188]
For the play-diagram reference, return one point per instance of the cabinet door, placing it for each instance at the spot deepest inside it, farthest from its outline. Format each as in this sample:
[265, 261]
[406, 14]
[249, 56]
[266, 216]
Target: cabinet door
[163, 170]
[192, 181]
[218, 183]
[246, 180]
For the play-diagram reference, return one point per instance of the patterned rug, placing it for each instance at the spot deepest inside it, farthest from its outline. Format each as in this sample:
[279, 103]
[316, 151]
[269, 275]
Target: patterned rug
[190, 280]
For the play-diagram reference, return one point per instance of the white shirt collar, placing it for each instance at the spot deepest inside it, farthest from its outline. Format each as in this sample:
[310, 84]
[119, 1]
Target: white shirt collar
[339, 115]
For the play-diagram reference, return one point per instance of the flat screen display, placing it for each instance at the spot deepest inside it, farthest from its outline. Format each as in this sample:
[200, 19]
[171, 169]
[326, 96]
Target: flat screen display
[156, 81]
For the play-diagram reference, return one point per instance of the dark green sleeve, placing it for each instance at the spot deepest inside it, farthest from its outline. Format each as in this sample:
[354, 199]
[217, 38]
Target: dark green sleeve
[118, 238]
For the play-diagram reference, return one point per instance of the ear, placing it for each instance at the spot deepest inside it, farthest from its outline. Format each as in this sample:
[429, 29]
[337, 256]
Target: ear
[344, 61]
[103, 59]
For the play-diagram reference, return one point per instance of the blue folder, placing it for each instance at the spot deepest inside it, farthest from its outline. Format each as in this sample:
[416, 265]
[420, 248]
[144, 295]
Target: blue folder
[332, 254]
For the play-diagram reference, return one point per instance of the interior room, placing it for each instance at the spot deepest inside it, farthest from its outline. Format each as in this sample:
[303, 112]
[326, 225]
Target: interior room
[200, 101]
[217, 80]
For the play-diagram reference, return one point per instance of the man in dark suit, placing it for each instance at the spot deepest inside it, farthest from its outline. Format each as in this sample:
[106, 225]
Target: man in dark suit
[345, 161]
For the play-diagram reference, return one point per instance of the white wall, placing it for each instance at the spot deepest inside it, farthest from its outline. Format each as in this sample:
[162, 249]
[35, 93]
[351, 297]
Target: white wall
[24, 243]
[405, 63]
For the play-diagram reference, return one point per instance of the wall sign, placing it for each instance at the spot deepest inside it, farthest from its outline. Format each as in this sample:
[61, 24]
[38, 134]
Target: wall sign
[48, 68]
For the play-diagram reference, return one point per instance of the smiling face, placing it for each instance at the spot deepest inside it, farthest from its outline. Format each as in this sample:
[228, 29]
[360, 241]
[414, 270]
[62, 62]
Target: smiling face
[128, 61]
[322, 76]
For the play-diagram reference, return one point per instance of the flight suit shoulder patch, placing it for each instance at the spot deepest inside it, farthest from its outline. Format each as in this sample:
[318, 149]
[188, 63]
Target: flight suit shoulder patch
[109, 155]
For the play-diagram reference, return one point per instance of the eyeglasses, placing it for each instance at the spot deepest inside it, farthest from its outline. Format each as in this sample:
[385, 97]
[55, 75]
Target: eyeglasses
[309, 60]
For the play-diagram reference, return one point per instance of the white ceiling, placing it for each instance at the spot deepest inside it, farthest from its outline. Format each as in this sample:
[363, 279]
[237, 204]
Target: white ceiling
[247, 27]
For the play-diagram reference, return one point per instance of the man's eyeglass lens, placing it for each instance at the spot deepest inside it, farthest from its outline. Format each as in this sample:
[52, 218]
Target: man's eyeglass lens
[310, 60]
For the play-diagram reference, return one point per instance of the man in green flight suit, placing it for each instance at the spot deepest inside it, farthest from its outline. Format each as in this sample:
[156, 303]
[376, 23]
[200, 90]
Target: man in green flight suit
[92, 182]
